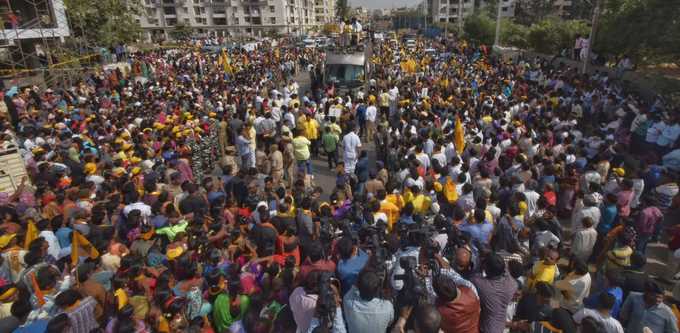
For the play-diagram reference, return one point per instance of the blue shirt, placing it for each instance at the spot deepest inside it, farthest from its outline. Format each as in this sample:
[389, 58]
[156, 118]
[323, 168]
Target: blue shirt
[64, 236]
[637, 315]
[593, 302]
[348, 270]
[608, 214]
[479, 232]
[38, 326]
[361, 315]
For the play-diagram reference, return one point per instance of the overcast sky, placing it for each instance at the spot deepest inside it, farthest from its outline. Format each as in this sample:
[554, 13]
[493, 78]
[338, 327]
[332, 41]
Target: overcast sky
[375, 4]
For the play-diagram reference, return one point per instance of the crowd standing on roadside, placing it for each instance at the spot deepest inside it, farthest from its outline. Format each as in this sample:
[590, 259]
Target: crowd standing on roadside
[506, 195]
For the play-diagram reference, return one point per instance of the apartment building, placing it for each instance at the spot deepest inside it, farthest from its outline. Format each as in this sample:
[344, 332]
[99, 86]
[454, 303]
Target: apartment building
[234, 18]
[448, 10]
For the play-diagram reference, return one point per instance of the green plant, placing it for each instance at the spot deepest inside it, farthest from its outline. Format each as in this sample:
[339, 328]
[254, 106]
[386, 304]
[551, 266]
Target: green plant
[181, 31]
[480, 28]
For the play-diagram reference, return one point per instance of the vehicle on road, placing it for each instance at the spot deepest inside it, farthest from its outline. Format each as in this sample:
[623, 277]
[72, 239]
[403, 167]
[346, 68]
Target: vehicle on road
[347, 71]
[309, 43]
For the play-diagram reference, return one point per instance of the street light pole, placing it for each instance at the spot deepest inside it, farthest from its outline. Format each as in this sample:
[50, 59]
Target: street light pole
[460, 18]
[591, 38]
[497, 39]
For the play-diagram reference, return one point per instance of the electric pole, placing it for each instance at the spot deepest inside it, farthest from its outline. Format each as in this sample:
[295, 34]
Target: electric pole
[460, 18]
[497, 39]
[591, 38]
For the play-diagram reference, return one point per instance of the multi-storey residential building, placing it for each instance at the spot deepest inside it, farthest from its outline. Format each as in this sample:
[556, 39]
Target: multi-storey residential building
[448, 10]
[234, 18]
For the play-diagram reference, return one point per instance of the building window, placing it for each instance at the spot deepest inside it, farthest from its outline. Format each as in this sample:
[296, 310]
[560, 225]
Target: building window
[236, 21]
[185, 10]
[169, 11]
[171, 22]
[220, 21]
[504, 9]
[442, 19]
[272, 20]
[187, 21]
[197, 10]
[271, 9]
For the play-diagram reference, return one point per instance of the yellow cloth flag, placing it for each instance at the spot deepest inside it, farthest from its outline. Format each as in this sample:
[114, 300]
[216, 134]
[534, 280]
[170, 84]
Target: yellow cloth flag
[78, 243]
[31, 234]
[459, 136]
[225, 62]
[408, 66]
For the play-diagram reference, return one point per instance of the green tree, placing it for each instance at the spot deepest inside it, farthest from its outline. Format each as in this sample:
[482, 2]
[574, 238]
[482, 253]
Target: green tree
[342, 9]
[181, 31]
[581, 9]
[104, 22]
[646, 30]
[513, 34]
[528, 12]
[480, 28]
[552, 35]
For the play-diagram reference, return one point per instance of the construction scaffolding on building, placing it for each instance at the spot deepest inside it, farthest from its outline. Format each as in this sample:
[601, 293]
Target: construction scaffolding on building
[36, 46]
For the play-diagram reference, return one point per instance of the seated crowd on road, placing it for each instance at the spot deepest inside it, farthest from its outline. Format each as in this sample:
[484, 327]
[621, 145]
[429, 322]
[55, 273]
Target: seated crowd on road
[459, 192]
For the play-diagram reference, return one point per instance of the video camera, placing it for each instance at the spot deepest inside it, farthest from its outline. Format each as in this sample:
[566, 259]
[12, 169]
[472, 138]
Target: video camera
[326, 304]
[414, 291]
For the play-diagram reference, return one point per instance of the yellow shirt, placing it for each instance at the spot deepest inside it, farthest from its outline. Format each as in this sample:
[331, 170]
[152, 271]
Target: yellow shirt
[335, 129]
[385, 99]
[395, 199]
[301, 148]
[392, 212]
[421, 203]
[542, 272]
[311, 129]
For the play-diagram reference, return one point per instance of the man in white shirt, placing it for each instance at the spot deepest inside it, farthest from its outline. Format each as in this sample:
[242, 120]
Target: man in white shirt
[351, 143]
[371, 114]
[654, 131]
[143, 208]
[668, 137]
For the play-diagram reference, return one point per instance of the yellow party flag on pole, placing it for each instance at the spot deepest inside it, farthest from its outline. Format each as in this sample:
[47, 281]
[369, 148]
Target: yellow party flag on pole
[225, 62]
[78, 243]
[31, 234]
[459, 136]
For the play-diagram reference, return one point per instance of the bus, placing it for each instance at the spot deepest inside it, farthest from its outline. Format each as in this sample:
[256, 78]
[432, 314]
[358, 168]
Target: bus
[346, 71]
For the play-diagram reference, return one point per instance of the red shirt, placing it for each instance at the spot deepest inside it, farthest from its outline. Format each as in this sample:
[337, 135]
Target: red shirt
[308, 267]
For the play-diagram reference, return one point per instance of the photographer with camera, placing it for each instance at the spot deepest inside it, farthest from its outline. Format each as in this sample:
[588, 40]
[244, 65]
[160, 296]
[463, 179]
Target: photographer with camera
[365, 310]
[352, 261]
[496, 290]
[458, 305]
[328, 313]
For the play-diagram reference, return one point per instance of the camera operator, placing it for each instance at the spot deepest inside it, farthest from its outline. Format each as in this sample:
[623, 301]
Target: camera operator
[426, 319]
[364, 309]
[352, 261]
[496, 290]
[458, 305]
[328, 312]
[410, 248]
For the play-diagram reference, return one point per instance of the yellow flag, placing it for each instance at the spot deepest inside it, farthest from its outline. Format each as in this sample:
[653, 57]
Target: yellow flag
[459, 136]
[31, 234]
[226, 62]
[78, 243]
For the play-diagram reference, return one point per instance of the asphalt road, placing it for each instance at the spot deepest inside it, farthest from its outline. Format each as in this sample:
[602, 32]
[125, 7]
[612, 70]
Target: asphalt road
[323, 176]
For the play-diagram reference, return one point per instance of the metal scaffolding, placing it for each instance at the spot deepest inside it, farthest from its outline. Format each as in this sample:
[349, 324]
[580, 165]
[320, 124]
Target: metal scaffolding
[36, 46]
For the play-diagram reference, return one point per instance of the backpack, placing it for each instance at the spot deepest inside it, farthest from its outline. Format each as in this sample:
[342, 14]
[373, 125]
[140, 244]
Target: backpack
[450, 190]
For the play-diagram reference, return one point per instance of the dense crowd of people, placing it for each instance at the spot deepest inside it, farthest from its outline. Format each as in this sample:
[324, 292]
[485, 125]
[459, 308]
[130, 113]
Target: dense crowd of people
[472, 194]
